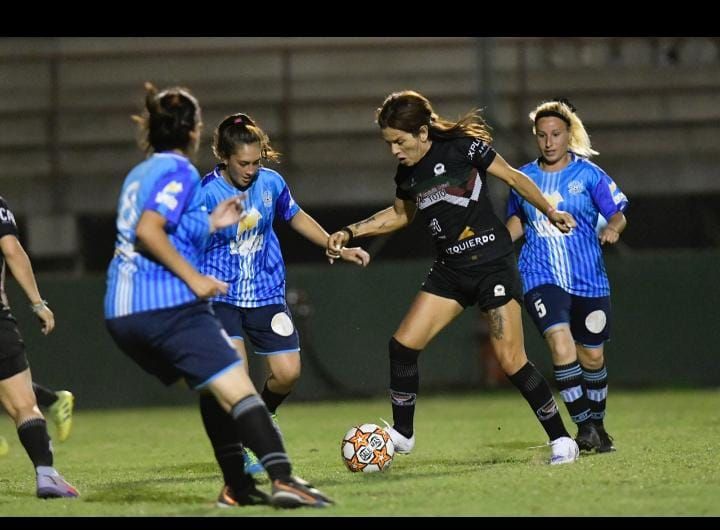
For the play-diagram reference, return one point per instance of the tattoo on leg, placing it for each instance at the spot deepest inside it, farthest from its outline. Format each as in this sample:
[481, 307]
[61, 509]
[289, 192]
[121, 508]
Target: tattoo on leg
[496, 323]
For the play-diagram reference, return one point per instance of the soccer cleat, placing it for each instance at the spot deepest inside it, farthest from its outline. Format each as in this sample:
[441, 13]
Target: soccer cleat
[61, 413]
[250, 497]
[587, 437]
[606, 441]
[251, 462]
[564, 451]
[294, 492]
[51, 485]
[402, 444]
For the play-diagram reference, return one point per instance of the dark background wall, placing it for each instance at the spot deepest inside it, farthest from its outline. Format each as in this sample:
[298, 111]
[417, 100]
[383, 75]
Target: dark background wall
[665, 332]
[651, 106]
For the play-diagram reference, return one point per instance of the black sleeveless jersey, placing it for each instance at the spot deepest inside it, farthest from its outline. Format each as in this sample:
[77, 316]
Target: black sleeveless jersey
[448, 185]
[7, 227]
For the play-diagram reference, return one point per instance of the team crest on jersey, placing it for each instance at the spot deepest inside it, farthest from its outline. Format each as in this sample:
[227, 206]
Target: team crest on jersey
[439, 169]
[575, 187]
[267, 198]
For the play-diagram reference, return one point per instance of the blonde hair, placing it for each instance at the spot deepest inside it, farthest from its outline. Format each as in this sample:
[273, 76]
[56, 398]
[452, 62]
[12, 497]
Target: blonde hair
[579, 141]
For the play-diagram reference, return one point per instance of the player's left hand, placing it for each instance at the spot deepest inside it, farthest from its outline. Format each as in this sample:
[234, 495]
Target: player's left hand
[609, 235]
[46, 318]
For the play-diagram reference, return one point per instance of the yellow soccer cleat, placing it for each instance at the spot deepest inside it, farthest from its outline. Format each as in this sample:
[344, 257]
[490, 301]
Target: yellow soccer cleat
[61, 413]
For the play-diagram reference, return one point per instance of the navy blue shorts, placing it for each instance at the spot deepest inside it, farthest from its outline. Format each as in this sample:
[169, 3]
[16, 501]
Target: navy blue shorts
[269, 328]
[589, 318]
[186, 341]
[489, 285]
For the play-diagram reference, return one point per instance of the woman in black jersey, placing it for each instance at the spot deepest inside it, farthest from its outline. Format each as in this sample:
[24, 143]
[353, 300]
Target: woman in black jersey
[16, 389]
[442, 169]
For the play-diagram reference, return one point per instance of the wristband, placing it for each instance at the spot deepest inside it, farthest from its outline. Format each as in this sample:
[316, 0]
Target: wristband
[349, 233]
[36, 308]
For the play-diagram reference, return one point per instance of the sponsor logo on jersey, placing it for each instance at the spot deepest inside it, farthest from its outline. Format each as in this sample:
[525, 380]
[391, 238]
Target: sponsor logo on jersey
[471, 244]
[439, 169]
[545, 228]
[554, 199]
[468, 232]
[167, 196]
[473, 147]
[6, 216]
[431, 196]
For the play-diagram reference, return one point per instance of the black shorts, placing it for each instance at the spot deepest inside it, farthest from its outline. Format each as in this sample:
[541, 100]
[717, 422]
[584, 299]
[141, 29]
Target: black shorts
[489, 285]
[12, 349]
[589, 318]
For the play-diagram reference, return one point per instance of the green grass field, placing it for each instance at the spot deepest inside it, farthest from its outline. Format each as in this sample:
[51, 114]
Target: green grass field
[474, 456]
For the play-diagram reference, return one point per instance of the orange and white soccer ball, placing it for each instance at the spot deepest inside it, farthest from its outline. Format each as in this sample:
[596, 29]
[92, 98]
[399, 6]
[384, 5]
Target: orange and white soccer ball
[367, 448]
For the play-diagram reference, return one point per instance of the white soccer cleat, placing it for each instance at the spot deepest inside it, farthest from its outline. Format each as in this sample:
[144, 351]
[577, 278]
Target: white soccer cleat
[402, 444]
[564, 451]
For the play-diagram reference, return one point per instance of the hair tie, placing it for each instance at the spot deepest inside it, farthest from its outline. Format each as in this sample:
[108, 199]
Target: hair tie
[237, 120]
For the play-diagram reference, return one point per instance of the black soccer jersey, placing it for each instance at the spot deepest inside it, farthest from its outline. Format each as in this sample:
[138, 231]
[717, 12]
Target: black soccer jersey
[448, 185]
[7, 227]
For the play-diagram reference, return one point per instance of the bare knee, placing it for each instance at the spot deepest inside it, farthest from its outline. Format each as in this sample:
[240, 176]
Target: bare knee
[284, 373]
[22, 409]
[563, 352]
[591, 358]
[511, 359]
[287, 376]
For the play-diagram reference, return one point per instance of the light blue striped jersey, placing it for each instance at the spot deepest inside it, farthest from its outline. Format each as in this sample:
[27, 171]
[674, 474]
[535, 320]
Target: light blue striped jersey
[168, 184]
[247, 255]
[571, 261]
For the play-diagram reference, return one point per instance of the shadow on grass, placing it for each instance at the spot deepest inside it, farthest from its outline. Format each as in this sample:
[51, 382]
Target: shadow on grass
[433, 468]
[166, 486]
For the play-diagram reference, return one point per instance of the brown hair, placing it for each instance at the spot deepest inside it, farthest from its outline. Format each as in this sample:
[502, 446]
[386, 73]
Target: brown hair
[241, 129]
[409, 110]
[168, 119]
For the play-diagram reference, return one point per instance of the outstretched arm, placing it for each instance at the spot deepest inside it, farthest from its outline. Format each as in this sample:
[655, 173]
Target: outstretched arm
[308, 227]
[392, 218]
[19, 264]
[520, 182]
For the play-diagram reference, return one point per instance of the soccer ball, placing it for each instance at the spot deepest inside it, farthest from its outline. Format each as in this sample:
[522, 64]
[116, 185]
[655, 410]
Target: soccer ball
[367, 448]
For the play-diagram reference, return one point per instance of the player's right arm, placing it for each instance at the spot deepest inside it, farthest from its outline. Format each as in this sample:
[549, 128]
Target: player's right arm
[392, 218]
[19, 264]
[150, 233]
